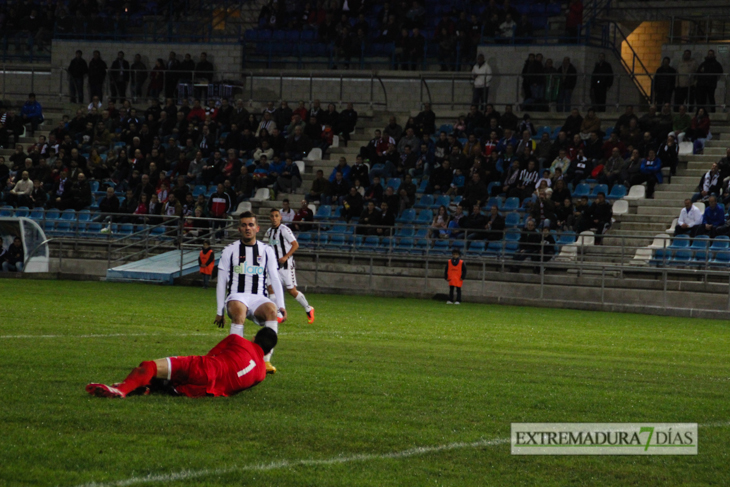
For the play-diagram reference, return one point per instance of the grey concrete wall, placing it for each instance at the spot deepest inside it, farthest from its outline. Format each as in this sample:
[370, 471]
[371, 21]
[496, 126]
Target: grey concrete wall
[226, 58]
[17, 81]
[699, 51]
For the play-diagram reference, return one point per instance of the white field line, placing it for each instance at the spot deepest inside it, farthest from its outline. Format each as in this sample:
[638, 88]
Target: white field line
[283, 464]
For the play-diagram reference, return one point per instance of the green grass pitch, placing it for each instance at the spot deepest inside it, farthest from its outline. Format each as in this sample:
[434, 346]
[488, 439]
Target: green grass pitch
[357, 393]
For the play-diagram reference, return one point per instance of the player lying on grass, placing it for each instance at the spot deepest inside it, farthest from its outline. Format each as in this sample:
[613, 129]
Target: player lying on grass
[233, 365]
[242, 283]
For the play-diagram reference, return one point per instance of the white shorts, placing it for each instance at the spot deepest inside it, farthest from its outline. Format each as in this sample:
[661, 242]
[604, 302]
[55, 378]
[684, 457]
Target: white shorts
[288, 277]
[252, 303]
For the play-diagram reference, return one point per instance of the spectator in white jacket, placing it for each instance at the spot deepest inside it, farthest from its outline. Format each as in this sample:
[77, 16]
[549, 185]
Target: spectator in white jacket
[482, 74]
[690, 220]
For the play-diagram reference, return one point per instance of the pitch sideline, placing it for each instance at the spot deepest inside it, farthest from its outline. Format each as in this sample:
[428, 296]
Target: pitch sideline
[362, 457]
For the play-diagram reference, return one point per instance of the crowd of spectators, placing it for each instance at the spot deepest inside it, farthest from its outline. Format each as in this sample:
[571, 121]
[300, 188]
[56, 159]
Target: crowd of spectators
[158, 155]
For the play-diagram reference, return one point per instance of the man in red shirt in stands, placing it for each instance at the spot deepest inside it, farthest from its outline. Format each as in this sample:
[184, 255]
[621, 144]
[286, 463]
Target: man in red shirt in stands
[233, 365]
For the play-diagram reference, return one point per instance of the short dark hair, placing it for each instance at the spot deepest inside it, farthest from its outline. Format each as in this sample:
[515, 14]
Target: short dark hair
[248, 214]
[274, 210]
[266, 338]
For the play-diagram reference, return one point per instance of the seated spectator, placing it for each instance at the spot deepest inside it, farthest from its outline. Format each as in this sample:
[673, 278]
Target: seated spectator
[302, 216]
[298, 145]
[612, 169]
[369, 217]
[543, 211]
[320, 189]
[14, 257]
[38, 197]
[650, 173]
[690, 220]
[713, 218]
[598, 217]
[338, 189]
[393, 130]
[495, 225]
[529, 246]
[475, 224]
[290, 179]
[669, 155]
[681, 122]
[440, 179]
[22, 190]
[287, 214]
[387, 220]
[32, 113]
[561, 162]
[591, 123]
[699, 130]
[710, 184]
[352, 204]
[579, 169]
[632, 167]
[572, 124]
[440, 224]
[108, 205]
[564, 214]
[375, 191]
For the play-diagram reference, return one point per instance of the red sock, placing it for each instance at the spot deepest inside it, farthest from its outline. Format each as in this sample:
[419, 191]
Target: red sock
[140, 376]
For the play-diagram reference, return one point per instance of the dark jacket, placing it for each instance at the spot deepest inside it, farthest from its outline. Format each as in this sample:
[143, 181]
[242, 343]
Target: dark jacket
[602, 76]
[119, 70]
[97, 71]
[78, 68]
[709, 67]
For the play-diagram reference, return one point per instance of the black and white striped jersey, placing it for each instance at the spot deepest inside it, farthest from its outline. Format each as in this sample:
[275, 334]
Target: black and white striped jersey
[247, 269]
[280, 239]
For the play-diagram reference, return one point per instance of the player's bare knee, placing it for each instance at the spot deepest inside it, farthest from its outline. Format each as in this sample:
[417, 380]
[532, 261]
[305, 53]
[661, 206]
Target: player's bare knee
[269, 311]
[237, 311]
[293, 292]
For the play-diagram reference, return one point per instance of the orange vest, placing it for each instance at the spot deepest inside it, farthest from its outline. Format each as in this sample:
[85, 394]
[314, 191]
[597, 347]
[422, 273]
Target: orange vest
[207, 269]
[454, 274]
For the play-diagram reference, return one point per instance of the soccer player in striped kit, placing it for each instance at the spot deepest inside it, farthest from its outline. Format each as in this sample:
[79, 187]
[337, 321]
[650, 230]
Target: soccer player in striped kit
[242, 288]
[282, 240]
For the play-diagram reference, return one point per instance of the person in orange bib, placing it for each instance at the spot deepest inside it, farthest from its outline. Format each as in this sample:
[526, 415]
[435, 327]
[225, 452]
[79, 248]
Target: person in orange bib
[455, 274]
[206, 261]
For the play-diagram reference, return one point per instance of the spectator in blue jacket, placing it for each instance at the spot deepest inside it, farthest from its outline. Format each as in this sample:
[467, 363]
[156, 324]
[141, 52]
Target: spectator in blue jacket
[649, 173]
[713, 218]
[341, 167]
[32, 113]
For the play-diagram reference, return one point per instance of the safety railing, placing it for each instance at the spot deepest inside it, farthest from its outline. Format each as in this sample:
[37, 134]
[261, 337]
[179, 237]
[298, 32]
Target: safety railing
[24, 47]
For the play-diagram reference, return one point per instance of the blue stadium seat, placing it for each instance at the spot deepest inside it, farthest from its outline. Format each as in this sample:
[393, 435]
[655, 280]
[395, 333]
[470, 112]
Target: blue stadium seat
[720, 243]
[512, 220]
[421, 233]
[581, 190]
[125, 229]
[442, 200]
[426, 201]
[322, 240]
[661, 257]
[370, 243]
[404, 246]
[722, 259]
[493, 201]
[37, 214]
[407, 231]
[617, 192]
[84, 216]
[422, 187]
[94, 186]
[393, 183]
[680, 242]
[22, 211]
[512, 236]
[599, 188]
[68, 215]
[304, 239]
[93, 229]
[336, 242]
[566, 238]
[323, 212]
[447, 127]
[441, 248]
[53, 214]
[511, 204]
[476, 248]
[422, 244]
[682, 257]
[62, 228]
[336, 213]
[386, 244]
[199, 189]
[408, 216]
[6, 210]
[425, 217]
[339, 229]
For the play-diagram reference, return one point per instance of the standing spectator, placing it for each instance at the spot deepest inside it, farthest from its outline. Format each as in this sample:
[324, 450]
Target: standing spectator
[97, 75]
[685, 93]
[219, 205]
[573, 20]
[482, 74]
[204, 70]
[157, 80]
[14, 257]
[77, 69]
[690, 220]
[139, 76]
[206, 261]
[32, 113]
[455, 274]
[601, 82]
[416, 46]
[665, 80]
[172, 75]
[707, 75]
[119, 77]
[568, 77]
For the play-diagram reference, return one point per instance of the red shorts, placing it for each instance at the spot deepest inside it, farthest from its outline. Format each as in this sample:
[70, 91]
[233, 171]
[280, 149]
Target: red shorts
[189, 374]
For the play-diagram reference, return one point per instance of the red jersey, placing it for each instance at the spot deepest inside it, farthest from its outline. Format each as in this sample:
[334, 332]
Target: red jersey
[233, 365]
